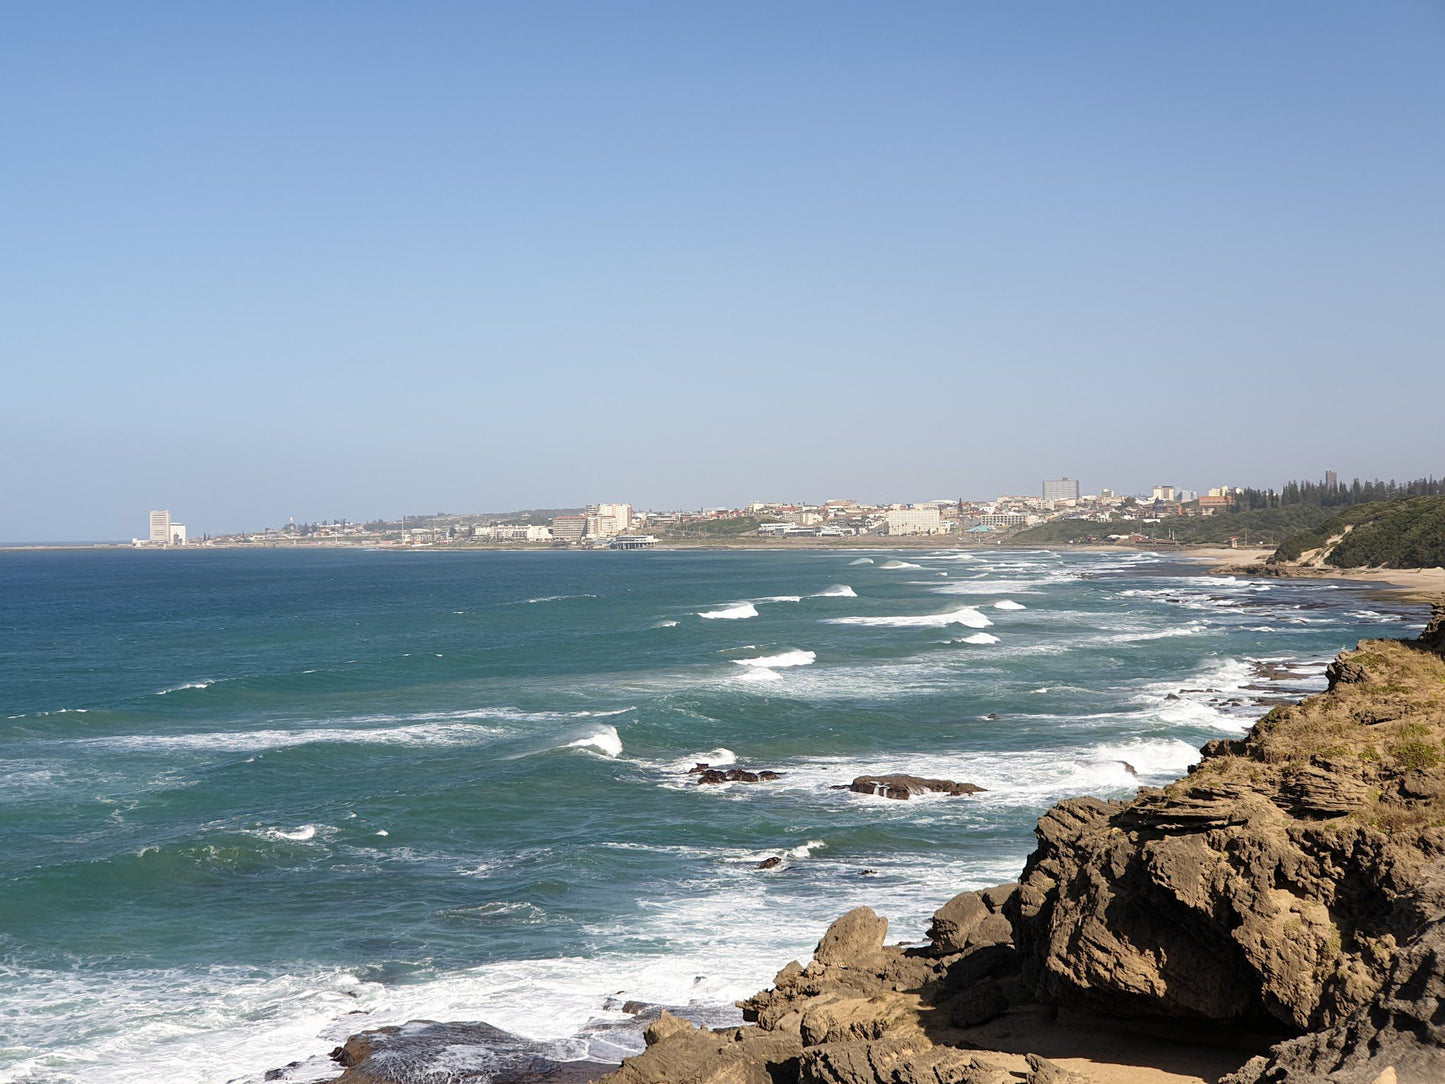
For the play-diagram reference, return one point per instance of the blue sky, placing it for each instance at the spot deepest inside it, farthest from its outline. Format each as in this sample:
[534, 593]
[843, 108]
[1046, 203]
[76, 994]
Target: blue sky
[354, 260]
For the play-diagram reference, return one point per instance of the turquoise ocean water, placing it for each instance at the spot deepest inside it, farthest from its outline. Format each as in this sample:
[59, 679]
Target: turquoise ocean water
[252, 802]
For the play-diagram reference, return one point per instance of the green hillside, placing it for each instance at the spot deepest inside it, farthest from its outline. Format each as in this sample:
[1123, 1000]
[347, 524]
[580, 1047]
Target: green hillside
[1264, 525]
[1388, 534]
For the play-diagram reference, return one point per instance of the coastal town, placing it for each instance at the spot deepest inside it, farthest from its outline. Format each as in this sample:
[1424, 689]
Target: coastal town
[622, 526]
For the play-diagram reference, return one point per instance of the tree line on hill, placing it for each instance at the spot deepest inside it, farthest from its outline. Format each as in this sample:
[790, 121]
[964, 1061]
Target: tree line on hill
[1322, 495]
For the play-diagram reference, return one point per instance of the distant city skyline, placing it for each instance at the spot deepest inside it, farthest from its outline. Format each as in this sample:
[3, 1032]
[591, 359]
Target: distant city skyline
[332, 261]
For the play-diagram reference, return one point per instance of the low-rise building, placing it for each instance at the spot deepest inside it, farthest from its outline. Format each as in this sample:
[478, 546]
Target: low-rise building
[905, 521]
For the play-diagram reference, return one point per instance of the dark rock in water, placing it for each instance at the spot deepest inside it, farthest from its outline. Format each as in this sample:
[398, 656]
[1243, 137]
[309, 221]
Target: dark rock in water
[634, 1007]
[698, 768]
[1129, 767]
[991, 715]
[426, 1052]
[280, 1074]
[732, 775]
[867, 873]
[770, 863]
[906, 786]
[1172, 696]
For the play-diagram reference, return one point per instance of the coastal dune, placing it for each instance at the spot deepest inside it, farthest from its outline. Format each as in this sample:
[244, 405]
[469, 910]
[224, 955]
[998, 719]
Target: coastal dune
[1275, 917]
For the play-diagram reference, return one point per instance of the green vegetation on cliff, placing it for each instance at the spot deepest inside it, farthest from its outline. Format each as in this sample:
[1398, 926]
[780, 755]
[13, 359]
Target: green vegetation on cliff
[1265, 525]
[1406, 533]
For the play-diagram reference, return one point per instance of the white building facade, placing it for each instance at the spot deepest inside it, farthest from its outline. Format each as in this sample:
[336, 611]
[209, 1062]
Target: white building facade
[914, 521]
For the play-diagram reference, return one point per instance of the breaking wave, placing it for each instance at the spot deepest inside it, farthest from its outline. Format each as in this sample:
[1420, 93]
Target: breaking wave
[965, 615]
[731, 613]
[787, 658]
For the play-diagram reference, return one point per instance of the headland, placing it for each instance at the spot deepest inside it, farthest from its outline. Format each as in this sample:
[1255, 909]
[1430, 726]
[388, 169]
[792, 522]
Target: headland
[1275, 917]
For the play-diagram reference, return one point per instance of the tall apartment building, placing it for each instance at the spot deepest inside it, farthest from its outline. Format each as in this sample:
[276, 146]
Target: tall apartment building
[166, 531]
[621, 513]
[1065, 489]
[1163, 493]
[914, 520]
[1332, 481]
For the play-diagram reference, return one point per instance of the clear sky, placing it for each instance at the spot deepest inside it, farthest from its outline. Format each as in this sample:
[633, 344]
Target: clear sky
[323, 260]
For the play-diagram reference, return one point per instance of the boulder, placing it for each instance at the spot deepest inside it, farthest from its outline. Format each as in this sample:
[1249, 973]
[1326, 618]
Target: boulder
[855, 937]
[971, 919]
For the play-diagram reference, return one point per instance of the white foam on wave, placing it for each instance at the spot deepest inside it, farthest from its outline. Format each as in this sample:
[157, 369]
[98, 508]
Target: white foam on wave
[838, 590]
[255, 741]
[1029, 779]
[416, 729]
[985, 586]
[43, 714]
[965, 615]
[979, 638]
[667, 624]
[780, 598]
[861, 561]
[553, 598]
[714, 758]
[605, 740]
[782, 660]
[736, 612]
[303, 834]
[759, 674]
[1193, 629]
[188, 685]
[1009, 604]
[894, 563]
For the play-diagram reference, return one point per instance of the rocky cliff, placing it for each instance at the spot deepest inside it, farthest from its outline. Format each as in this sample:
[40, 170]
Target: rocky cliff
[1290, 889]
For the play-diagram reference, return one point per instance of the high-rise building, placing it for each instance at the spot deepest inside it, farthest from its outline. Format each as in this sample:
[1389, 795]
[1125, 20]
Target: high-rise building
[1163, 493]
[569, 528]
[1064, 489]
[161, 527]
[621, 513]
[1332, 481]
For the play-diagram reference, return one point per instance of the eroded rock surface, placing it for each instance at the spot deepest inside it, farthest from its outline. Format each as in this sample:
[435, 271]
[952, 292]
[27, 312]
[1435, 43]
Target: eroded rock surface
[1287, 882]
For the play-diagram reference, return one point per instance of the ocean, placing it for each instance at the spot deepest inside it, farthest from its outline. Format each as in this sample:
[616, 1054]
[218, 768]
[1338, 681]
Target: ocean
[254, 802]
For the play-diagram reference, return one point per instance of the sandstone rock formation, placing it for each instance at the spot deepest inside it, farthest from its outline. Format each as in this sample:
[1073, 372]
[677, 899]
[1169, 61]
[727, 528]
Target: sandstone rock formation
[860, 1012]
[1288, 882]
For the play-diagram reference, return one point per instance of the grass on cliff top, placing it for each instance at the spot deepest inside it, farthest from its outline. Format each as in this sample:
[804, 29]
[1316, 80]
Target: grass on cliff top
[1384, 721]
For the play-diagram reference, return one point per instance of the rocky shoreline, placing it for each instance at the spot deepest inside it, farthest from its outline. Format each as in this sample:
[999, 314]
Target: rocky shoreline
[1275, 917]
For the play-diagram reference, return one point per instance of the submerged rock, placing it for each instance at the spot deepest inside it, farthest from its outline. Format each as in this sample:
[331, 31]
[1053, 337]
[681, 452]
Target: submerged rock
[731, 775]
[906, 786]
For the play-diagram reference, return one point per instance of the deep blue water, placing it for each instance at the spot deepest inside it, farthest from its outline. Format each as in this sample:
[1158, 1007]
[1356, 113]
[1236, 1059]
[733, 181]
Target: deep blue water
[255, 801]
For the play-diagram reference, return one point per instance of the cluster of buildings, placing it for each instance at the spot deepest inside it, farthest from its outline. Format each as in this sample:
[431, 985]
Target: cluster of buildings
[620, 526]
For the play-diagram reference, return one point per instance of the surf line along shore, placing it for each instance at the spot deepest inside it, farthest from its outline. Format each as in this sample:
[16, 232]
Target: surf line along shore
[1275, 917]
